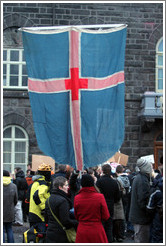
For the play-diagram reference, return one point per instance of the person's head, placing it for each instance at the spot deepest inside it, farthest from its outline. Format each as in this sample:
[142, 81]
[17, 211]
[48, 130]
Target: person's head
[17, 169]
[128, 171]
[61, 183]
[6, 173]
[62, 168]
[87, 180]
[28, 172]
[144, 166]
[45, 170]
[106, 168]
[119, 169]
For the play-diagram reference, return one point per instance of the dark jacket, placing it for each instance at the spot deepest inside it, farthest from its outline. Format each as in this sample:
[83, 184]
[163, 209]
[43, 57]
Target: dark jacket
[10, 198]
[109, 188]
[21, 184]
[155, 208]
[60, 205]
[139, 198]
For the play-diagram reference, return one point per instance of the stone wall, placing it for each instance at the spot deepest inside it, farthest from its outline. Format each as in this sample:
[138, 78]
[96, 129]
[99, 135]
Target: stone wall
[145, 28]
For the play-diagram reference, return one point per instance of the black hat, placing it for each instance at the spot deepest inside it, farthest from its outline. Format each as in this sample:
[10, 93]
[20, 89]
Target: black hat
[87, 180]
[6, 173]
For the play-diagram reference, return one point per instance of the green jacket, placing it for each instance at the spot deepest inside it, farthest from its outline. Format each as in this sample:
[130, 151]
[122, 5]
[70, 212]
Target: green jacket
[40, 191]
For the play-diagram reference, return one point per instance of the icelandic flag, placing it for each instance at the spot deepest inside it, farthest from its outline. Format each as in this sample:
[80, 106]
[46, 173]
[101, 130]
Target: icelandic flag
[76, 90]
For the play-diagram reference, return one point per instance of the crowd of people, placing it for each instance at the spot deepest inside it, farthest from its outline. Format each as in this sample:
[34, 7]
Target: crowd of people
[102, 205]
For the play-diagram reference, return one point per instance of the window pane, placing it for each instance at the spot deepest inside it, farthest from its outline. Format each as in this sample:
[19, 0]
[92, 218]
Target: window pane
[7, 146]
[7, 157]
[5, 55]
[14, 55]
[19, 157]
[4, 80]
[160, 60]
[14, 69]
[160, 73]
[160, 84]
[19, 133]
[14, 80]
[24, 70]
[24, 80]
[7, 133]
[19, 146]
[7, 167]
[23, 56]
[160, 48]
[4, 68]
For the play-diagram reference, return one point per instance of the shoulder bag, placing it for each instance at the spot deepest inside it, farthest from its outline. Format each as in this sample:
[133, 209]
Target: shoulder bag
[70, 233]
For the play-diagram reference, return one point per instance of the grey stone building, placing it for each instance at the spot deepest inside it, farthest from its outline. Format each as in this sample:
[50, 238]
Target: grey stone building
[143, 73]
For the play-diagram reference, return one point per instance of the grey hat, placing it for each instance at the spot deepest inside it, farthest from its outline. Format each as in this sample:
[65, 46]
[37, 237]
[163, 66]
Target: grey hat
[144, 166]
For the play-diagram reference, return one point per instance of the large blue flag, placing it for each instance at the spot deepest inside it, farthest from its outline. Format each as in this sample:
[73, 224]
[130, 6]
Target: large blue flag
[76, 90]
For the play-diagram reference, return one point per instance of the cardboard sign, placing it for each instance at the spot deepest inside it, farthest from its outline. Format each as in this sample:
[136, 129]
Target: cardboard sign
[119, 158]
[39, 159]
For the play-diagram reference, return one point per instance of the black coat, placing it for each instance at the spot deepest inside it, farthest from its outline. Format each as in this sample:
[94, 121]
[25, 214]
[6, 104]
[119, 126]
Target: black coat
[139, 199]
[60, 205]
[109, 188]
[21, 184]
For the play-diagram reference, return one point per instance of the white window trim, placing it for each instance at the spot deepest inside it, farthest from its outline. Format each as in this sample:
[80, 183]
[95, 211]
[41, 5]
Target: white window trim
[12, 140]
[19, 63]
[158, 53]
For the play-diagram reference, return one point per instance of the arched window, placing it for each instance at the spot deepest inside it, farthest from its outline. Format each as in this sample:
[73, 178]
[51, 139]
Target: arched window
[15, 148]
[159, 66]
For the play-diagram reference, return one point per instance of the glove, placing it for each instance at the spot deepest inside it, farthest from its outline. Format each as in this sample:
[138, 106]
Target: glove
[43, 212]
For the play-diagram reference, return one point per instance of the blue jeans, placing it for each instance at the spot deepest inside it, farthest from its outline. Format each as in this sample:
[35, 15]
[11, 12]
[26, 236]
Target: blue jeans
[7, 226]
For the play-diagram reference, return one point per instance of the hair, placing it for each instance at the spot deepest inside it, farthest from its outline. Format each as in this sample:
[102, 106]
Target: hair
[59, 181]
[106, 169]
[6, 173]
[90, 171]
[18, 169]
[62, 167]
[119, 169]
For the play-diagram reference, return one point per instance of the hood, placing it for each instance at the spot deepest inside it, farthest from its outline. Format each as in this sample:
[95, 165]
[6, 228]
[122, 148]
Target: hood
[6, 180]
[36, 177]
[20, 174]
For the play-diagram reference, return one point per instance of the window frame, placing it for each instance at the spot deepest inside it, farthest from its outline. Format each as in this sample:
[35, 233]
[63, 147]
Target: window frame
[19, 63]
[158, 53]
[13, 141]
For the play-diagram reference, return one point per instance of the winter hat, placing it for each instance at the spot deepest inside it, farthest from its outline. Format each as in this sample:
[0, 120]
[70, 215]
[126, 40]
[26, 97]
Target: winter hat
[6, 173]
[87, 180]
[144, 166]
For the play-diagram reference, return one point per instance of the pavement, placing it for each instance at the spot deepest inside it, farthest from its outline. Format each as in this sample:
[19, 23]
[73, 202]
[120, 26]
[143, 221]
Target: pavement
[19, 230]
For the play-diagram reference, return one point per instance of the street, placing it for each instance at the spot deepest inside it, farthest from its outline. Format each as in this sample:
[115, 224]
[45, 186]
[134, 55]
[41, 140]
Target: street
[19, 230]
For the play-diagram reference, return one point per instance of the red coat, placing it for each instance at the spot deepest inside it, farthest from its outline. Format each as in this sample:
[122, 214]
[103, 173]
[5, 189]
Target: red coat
[90, 209]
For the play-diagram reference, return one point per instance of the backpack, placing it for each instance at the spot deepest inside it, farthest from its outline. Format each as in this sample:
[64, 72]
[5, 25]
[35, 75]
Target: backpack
[125, 182]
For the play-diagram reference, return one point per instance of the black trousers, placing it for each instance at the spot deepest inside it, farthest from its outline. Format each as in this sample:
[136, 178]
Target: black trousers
[108, 226]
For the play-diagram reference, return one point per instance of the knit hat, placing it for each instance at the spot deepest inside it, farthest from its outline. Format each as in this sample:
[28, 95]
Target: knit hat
[87, 180]
[6, 173]
[144, 166]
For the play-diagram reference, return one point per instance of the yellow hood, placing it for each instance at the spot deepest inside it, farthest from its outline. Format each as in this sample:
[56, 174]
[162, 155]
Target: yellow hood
[6, 180]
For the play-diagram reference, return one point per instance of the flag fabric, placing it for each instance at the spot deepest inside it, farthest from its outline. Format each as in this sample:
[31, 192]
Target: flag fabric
[76, 90]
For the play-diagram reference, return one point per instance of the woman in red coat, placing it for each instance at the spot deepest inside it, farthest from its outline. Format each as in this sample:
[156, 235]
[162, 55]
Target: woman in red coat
[90, 210]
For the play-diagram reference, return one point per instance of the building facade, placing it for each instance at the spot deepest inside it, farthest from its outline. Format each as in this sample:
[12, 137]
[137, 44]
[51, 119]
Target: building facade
[143, 73]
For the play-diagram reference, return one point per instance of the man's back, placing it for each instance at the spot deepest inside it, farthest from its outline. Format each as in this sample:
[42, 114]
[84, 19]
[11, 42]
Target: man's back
[109, 188]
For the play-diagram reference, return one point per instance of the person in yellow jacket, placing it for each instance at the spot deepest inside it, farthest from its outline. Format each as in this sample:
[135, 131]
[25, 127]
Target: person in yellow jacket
[40, 191]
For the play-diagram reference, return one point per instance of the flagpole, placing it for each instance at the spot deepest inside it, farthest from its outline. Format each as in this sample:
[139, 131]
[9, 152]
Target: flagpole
[76, 26]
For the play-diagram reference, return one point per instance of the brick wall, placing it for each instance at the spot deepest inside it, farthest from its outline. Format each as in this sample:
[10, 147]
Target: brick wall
[145, 28]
